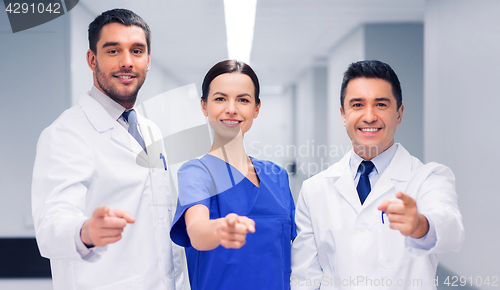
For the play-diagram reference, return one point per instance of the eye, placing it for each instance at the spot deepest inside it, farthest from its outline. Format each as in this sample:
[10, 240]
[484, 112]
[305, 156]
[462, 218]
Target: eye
[219, 99]
[357, 105]
[383, 105]
[137, 51]
[112, 51]
[244, 100]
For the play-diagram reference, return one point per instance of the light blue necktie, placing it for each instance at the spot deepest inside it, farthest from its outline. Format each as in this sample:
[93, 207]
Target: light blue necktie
[364, 187]
[133, 129]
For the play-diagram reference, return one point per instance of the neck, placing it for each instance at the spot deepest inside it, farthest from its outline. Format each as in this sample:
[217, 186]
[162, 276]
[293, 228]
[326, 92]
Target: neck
[368, 152]
[232, 151]
[127, 103]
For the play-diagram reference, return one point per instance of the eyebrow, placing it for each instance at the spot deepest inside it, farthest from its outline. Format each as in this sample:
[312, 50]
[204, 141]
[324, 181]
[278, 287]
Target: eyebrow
[356, 100]
[107, 44]
[239, 96]
[383, 100]
[376, 100]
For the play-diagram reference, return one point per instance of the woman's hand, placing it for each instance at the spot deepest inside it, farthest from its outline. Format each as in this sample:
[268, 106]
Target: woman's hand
[233, 230]
[206, 234]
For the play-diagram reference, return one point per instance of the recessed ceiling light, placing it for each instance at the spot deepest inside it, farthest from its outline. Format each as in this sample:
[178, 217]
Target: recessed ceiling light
[240, 20]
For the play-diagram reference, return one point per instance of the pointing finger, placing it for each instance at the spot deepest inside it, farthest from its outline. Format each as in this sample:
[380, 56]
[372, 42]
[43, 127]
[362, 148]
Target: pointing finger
[249, 223]
[231, 219]
[383, 205]
[113, 223]
[124, 215]
[407, 200]
[100, 212]
[396, 208]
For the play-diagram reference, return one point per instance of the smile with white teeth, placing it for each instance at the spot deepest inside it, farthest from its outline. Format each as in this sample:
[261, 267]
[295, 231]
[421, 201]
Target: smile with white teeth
[369, 129]
[230, 122]
[125, 77]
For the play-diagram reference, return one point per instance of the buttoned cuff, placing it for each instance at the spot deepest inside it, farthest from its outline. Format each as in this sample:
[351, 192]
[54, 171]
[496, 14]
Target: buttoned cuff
[426, 242]
[88, 254]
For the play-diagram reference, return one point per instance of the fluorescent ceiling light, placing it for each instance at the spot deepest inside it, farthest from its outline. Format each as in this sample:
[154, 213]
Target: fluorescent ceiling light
[240, 20]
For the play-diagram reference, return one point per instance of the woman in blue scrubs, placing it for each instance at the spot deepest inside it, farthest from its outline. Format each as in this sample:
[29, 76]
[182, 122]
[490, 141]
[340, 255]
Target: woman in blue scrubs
[235, 214]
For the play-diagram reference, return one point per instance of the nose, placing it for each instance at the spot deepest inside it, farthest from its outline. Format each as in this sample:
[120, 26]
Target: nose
[126, 60]
[231, 108]
[370, 116]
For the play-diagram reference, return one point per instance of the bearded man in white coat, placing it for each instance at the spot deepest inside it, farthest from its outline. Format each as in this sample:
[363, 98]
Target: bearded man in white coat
[101, 195]
[378, 218]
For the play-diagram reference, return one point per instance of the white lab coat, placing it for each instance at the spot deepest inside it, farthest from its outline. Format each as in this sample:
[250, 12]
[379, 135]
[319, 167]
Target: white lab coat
[342, 244]
[86, 159]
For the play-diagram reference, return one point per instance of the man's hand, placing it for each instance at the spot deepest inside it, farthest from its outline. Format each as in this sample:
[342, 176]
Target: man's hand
[233, 230]
[104, 227]
[404, 216]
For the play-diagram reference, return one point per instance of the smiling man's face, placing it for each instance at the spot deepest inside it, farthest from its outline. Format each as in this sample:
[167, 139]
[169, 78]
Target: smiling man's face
[370, 116]
[120, 63]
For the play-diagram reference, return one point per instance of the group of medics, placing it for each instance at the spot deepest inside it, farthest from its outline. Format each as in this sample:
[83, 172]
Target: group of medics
[106, 218]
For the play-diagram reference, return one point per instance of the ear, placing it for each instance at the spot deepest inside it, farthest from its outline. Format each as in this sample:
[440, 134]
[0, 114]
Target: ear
[400, 114]
[91, 59]
[204, 108]
[149, 61]
[343, 115]
[257, 110]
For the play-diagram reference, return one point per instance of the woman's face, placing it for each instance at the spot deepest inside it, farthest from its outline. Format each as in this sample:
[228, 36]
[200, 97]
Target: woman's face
[230, 105]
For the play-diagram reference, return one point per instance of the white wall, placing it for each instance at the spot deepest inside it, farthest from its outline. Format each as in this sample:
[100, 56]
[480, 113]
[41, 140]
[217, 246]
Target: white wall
[462, 60]
[401, 46]
[349, 50]
[272, 130]
[321, 150]
[35, 89]
[81, 75]
[310, 123]
[303, 126]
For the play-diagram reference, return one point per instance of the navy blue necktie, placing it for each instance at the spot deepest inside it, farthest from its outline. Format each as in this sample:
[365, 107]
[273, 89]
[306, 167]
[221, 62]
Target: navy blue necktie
[364, 187]
[133, 129]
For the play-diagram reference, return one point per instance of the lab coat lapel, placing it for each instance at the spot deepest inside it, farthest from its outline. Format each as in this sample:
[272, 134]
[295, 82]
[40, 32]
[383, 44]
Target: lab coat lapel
[102, 122]
[123, 137]
[96, 114]
[398, 172]
[153, 142]
[343, 181]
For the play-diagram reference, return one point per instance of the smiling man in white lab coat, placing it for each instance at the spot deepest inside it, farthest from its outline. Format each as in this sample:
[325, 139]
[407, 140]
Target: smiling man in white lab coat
[101, 195]
[378, 218]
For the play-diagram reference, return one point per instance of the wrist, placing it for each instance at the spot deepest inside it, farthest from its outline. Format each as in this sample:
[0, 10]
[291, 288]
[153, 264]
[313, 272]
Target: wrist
[85, 236]
[422, 227]
[218, 228]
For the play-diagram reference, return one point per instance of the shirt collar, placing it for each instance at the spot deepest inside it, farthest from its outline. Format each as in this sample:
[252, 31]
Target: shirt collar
[380, 161]
[114, 109]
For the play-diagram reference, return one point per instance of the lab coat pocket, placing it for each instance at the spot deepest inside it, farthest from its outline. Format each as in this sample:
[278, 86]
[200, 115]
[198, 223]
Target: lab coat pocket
[162, 193]
[391, 248]
[134, 283]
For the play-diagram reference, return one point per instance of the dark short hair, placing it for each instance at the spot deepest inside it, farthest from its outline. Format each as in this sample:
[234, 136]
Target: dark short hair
[229, 66]
[372, 69]
[122, 16]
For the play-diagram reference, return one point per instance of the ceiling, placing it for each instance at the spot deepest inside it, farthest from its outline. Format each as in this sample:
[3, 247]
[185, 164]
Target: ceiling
[189, 36]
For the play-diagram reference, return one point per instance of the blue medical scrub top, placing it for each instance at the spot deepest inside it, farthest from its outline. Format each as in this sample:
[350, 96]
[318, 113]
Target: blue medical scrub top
[264, 261]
